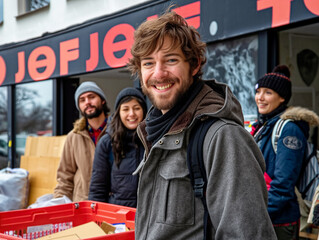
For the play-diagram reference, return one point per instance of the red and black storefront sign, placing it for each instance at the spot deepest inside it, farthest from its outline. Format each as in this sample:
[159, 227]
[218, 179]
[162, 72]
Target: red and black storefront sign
[105, 42]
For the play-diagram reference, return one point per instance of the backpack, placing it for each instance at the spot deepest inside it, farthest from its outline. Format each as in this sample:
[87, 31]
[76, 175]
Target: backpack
[196, 166]
[309, 174]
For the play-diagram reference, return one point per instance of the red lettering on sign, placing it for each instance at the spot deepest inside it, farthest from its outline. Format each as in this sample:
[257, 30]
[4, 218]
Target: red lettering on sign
[189, 12]
[312, 6]
[116, 46]
[3, 70]
[152, 17]
[94, 51]
[109, 46]
[48, 63]
[280, 10]
[69, 51]
[19, 76]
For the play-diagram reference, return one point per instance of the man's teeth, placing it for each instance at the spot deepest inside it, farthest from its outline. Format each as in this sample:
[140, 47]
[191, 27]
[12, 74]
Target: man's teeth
[163, 87]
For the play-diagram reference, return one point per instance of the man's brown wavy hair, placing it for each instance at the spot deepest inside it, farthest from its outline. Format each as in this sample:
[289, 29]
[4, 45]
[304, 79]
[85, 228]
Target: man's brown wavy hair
[150, 35]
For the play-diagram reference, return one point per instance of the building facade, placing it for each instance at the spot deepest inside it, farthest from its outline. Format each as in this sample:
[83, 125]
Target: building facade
[47, 48]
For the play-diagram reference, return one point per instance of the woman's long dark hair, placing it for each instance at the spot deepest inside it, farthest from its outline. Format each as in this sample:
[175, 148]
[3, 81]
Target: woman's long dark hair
[119, 134]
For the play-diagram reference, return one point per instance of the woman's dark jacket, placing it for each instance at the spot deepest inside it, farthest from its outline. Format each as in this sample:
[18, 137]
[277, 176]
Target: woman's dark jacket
[111, 183]
[284, 167]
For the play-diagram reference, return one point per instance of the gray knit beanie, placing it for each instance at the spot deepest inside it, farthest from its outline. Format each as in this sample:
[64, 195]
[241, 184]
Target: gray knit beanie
[87, 87]
[129, 91]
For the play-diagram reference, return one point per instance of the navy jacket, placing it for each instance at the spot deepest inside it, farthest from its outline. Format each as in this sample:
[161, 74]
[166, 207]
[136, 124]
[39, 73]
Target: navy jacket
[284, 167]
[113, 184]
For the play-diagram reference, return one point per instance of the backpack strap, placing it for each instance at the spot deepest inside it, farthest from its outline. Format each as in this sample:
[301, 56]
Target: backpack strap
[310, 152]
[276, 132]
[196, 165]
[314, 139]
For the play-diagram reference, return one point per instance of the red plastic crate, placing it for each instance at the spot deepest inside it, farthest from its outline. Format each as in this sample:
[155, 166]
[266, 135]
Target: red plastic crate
[20, 222]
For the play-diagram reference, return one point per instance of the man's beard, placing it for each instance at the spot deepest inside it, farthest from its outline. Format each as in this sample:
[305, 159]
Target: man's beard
[98, 111]
[164, 105]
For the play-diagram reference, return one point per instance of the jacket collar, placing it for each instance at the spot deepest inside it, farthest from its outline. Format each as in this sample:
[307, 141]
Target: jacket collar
[301, 114]
[215, 100]
[79, 125]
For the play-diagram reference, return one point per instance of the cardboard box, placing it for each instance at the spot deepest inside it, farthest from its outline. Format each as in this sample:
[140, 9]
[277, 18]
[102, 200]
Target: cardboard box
[42, 175]
[108, 228]
[41, 160]
[44, 146]
[87, 230]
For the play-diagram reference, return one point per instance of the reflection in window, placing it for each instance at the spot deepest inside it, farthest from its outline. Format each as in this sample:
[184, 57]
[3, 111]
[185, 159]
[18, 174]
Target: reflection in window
[1, 11]
[31, 5]
[35, 4]
[235, 62]
[33, 113]
[3, 128]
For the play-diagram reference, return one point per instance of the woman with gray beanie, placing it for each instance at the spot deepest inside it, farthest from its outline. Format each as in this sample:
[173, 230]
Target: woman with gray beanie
[119, 152]
[283, 162]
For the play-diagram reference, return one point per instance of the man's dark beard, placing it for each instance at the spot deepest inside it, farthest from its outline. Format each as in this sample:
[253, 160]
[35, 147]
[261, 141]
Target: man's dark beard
[98, 111]
[166, 105]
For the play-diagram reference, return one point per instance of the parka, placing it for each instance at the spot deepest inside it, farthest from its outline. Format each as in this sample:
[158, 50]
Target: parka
[236, 192]
[111, 183]
[284, 167]
[75, 167]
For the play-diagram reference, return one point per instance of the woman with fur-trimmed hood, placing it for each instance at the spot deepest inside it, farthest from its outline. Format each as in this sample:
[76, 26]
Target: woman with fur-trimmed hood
[273, 92]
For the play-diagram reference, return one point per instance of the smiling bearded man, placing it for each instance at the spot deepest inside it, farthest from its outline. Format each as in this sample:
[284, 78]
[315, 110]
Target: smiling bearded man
[75, 168]
[168, 56]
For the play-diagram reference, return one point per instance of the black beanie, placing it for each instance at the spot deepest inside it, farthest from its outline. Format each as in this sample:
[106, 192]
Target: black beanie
[278, 80]
[129, 91]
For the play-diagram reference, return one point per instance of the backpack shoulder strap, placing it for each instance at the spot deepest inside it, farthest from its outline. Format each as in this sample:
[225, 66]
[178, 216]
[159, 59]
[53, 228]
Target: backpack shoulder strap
[314, 138]
[196, 165]
[311, 149]
[308, 179]
[276, 132]
[195, 161]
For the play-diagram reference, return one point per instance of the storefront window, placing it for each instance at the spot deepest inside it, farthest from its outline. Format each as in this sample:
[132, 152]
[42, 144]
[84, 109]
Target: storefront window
[3, 128]
[33, 113]
[235, 62]
[1, 11]
[299, 50]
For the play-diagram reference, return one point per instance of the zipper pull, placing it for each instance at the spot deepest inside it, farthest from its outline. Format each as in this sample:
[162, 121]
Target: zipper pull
[139, 168]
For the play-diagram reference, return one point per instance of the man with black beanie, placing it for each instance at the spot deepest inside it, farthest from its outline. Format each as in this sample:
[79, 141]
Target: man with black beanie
[168, 56]
[75, 168]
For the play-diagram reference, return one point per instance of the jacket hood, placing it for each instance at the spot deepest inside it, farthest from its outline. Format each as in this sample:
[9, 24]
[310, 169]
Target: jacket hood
[214, 100]
[301, 114]
[228, 106]
[79, 125]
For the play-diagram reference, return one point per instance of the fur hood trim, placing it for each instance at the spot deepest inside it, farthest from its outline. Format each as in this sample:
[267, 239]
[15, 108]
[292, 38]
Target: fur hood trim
[301, 114]
[79, 125]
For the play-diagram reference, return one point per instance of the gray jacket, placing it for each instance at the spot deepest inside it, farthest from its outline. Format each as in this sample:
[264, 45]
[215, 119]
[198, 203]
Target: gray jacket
[236, 191]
